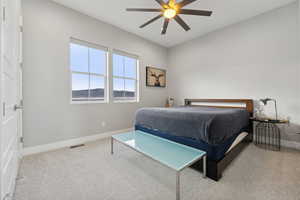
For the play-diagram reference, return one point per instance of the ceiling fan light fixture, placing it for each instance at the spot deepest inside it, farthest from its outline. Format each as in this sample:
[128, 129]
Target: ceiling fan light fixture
[171, 10]
[170, 13]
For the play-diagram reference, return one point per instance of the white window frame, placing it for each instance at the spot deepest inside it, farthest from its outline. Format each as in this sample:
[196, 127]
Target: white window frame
[137, 79]
[105, 76]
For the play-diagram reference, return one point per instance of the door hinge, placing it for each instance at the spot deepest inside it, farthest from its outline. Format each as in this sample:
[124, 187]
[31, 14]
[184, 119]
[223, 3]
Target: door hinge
[3, 108]
[4, 13]
[21, 29]
[22, 139]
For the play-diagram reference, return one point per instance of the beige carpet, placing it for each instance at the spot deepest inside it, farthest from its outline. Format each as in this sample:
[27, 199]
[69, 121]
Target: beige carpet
[91, 173]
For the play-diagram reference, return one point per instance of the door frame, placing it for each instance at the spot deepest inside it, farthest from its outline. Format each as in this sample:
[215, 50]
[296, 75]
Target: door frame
[1, 99]
[20, 85]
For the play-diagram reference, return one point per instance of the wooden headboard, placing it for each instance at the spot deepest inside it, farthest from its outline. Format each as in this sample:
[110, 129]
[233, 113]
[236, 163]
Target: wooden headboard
[230, 103]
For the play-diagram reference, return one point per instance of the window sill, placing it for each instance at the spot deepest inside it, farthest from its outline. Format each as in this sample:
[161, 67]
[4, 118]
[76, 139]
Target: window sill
[88, 102]
[125, 101]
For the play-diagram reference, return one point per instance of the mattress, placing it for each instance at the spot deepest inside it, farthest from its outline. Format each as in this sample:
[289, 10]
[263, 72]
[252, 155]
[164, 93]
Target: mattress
[213, 126]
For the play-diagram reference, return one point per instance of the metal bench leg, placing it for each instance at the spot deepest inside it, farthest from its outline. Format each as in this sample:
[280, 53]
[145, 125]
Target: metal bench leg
[112, 145]
[204, 166]
[177, 185]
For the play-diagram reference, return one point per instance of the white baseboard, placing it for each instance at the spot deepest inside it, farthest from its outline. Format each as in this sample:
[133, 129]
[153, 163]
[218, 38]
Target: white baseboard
[67, 143]
[290, 144]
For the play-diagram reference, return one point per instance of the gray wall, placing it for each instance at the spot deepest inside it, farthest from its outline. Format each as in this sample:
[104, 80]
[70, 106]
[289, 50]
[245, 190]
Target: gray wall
[253, 59]
[48, 114]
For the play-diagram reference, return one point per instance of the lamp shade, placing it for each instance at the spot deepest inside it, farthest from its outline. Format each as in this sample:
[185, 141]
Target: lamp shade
[266, 100]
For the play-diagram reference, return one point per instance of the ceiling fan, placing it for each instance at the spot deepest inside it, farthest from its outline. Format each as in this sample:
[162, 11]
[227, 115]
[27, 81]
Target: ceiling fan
[171, 10]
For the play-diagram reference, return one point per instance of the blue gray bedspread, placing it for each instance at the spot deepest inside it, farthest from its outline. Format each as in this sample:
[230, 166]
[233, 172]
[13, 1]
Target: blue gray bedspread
[211, 125]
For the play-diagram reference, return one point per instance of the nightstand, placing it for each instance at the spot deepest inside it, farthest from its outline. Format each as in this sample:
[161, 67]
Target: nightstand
[267, 134]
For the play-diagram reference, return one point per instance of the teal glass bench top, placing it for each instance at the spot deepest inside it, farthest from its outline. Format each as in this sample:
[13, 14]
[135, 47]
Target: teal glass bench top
[169, 153]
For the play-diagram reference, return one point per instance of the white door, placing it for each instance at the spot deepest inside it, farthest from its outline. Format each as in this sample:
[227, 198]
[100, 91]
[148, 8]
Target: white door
[10, 97]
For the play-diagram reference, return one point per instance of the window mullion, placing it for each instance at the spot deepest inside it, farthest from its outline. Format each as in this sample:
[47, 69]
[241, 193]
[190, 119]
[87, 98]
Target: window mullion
[95, 74]
[123, 78]
[89, 68]
[76, 72]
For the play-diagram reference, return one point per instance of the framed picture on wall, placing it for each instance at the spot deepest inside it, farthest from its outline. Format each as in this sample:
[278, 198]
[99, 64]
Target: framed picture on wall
[155, 77]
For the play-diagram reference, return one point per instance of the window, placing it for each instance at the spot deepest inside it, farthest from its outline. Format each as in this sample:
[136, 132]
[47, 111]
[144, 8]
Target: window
[88, 65]
[125, 77]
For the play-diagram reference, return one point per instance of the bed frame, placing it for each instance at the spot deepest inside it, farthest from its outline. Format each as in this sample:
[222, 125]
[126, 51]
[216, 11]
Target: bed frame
[215, 169]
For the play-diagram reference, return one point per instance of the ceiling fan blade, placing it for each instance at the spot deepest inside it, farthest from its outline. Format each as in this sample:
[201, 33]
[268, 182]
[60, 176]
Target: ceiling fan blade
[150, 21]
[172, 3]
[165, 27]
[180, 21]
[185, 3]
[195, 12]
[161, 2]
[143, 10]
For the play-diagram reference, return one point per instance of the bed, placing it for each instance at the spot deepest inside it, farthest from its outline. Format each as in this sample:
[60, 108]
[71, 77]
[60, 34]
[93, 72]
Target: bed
[221, 127]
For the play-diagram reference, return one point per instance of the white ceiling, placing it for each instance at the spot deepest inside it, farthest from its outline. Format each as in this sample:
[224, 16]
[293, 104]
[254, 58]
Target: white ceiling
[225, 12]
